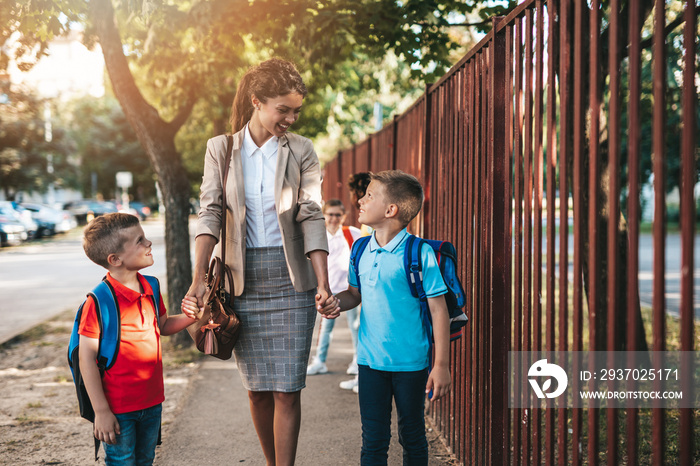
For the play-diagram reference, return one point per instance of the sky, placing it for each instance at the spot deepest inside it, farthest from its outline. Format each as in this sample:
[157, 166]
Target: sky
[70, 70]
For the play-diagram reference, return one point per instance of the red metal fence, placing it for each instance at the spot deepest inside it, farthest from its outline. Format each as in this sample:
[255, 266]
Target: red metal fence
[551, 119]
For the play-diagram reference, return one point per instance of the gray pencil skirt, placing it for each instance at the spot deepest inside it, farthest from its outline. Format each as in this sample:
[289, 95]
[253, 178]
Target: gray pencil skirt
[277, 325]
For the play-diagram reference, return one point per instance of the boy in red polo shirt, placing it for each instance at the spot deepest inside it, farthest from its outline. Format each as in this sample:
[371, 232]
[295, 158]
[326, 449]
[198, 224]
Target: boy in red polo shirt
[128, 399]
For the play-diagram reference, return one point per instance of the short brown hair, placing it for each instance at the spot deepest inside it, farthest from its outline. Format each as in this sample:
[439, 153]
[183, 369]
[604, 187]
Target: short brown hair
[102, 236]
[401, 189]
[333, 203]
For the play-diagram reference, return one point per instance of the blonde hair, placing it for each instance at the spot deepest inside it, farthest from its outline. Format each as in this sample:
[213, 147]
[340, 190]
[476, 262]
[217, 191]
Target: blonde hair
[103, 236]
[272, 78]
[401, 189]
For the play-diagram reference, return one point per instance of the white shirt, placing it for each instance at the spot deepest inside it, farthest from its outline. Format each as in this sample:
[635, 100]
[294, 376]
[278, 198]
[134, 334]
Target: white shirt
[259, 166]
[339, 258]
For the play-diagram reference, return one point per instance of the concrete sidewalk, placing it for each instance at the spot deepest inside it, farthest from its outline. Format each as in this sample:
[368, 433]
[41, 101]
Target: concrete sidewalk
[214, 426]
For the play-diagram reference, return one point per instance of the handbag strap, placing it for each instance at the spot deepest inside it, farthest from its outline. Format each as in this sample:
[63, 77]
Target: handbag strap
[224, 214]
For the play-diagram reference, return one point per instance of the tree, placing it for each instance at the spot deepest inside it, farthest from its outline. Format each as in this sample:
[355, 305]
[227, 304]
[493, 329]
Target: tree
[28, 161]
[162, 58]
[107, 145]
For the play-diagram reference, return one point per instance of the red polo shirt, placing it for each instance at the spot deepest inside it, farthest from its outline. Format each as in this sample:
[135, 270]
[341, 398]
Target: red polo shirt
[135, 381]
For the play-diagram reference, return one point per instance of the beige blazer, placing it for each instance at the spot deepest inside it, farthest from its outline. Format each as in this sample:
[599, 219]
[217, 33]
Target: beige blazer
[297, 199]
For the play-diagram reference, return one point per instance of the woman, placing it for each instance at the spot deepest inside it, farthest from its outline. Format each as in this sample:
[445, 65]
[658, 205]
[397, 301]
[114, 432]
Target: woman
[275, 245]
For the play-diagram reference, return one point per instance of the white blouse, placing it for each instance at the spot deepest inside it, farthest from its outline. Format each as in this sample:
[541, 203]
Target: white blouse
[259, 166]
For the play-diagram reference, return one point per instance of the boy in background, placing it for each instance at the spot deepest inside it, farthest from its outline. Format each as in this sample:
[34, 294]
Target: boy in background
[340, 239]
[128, 399]
[392, 352]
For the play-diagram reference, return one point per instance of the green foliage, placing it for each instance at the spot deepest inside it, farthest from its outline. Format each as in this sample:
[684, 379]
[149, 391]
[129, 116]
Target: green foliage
[24, 149]
[183, 52]
[673, 118]
[31, 25]
[107, 144]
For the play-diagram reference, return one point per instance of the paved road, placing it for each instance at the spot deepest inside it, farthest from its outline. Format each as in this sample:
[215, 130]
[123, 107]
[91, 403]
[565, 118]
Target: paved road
[39, 280]
[672, 274]
[646, 266]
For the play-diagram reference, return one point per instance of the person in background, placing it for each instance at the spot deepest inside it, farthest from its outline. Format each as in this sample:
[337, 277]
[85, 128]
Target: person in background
[276, 247]
[357, 184]
[340, 239]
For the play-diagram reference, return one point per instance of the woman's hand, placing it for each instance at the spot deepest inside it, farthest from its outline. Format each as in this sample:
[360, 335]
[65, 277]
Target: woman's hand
[197, 290]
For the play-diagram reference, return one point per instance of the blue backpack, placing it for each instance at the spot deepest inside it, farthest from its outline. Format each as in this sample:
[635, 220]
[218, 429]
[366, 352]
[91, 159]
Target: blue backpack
[109, 319]
[446, 256]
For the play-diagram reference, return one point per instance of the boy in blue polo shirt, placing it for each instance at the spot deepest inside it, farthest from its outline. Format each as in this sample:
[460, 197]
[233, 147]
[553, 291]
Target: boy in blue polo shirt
[392, 351]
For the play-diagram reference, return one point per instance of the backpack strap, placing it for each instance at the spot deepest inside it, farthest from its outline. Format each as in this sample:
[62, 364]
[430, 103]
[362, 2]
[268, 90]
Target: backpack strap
[414, 267]
[109, 320]
[348, 236]
[414, 272]
[356, 252]
[155, 287]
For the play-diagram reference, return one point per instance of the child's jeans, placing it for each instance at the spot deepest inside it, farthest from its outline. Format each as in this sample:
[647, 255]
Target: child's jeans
[376, 390]
[136, 445]
[327, 325]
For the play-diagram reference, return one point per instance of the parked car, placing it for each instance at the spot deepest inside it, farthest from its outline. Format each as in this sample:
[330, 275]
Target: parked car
[21, 215]
[12, 231]
[87, 209]
[50, 220]
[143, 210]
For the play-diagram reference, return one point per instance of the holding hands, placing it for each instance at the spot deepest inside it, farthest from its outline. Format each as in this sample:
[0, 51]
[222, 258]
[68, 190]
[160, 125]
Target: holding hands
[328, 307]
[189, 307]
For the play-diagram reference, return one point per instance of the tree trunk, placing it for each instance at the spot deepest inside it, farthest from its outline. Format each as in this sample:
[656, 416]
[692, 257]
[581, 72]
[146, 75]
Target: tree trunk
[158, 140]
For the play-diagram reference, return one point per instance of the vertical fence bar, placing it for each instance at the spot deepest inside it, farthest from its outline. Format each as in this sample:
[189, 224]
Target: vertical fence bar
[659, 228]
[613, 213]
[464, 267]
[564, 130]
[594, 255]
[484, 283]
[488, 247]
[427, 141]
[460, 239]
[453, 106]
[508, 108]
[578, 132]
[471, 199]
[633, 210]
[531, 430]
[688, 178]
[519, 433]
[551, 259]
[537, 226]
[499, 175]
[478, 352]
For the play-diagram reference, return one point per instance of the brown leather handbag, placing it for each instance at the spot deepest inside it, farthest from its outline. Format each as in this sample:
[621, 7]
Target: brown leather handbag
[217, 330]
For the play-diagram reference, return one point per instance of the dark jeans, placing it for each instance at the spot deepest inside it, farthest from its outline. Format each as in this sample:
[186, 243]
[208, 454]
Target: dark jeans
[136, 445]
[376, 390]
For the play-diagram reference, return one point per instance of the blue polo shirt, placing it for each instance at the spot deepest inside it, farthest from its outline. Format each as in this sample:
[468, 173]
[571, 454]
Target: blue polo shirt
[391, 335]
